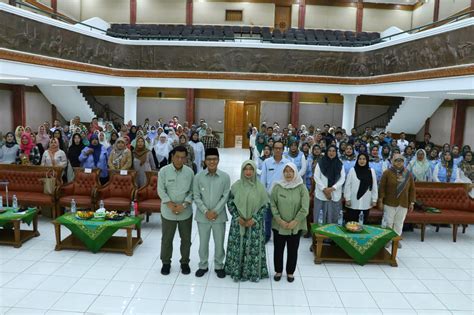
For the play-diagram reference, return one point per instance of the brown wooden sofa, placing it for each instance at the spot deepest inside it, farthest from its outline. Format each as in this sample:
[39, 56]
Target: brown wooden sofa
[147, 196]
[119, 191]
[26, 183]
[451, 198]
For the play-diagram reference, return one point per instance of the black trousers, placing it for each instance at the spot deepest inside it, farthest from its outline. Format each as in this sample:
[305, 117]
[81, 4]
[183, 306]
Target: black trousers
[292, 242]
[353, 215]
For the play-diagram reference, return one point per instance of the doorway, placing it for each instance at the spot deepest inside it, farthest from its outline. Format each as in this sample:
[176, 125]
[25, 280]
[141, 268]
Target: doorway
[282, 17]
[238, 115]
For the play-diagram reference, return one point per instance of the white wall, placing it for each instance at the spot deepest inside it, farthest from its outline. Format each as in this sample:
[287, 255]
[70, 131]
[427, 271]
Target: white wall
[341, 18]
[295, 9]
[377, 20]
[367, 112]
[469, 127]
[275, 111]
[450, 7]
[161, 11]
[112, 11]
[262, 14]
[71, 8]
[6, 113]
[423, 15]
[320, 114]
[38, 109]
[440, 125]
[213, 111]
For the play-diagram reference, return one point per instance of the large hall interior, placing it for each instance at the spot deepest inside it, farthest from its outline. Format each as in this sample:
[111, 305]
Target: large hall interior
[326, 144]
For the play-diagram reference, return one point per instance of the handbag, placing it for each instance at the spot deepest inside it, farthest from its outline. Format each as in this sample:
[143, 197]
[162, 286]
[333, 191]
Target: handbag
[49, 183]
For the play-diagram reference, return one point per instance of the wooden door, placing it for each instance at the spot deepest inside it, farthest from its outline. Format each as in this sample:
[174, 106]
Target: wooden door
[233, 122]
[251, 115]
[282, 17]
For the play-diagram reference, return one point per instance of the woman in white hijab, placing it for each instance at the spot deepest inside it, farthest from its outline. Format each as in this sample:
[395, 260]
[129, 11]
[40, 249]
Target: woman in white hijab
[161, 150]
[172, 137]
[290, 205]
[419, 167]
[103, 140]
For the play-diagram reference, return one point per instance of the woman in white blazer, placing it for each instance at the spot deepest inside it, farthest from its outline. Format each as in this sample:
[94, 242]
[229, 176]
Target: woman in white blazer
[360, 190]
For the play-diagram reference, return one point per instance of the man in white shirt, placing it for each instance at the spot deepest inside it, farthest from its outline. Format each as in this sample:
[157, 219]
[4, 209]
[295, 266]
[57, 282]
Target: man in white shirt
[402, 143]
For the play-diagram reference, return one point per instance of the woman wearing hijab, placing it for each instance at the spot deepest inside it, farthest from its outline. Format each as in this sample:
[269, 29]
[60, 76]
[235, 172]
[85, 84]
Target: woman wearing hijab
[259, 145]
[348, 158]
[266, 153]
[85, 140]
[161, 151]
[152, 134]
[75, 150]
[132, 133]
[360, 189]
[446, 171]
[396, 194]
[58, 134]
[121, 157]
[9, 151]
[142, 161]
[199, 151]
[28, 153]
[54, 156]
[103, 140]
[385, 154]
[95, 156]
[376, 163]
[43, 137]
[466, 170]
[290, 205]
[248, 200]
[18, 133]
[329, 176]
[183, 141]
[433, 159]
[420, 167]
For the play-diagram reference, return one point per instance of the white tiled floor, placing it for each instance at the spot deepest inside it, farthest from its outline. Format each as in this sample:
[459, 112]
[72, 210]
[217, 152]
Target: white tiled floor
[433, 277]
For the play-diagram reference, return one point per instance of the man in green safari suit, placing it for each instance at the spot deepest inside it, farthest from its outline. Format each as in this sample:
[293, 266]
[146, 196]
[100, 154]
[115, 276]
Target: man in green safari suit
[175, 188]
[211, 189]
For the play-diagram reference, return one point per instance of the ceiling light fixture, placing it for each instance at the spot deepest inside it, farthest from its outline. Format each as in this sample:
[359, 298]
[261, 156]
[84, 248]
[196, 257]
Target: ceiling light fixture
[74, 85]
[411, 96]
[461, 93]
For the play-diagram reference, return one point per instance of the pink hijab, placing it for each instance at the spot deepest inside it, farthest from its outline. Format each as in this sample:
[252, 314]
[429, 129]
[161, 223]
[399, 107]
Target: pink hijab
[26, 148]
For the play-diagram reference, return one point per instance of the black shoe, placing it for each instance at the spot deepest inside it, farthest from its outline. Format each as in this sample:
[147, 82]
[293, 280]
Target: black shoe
[201, 272]
[165, 270]
[185, 270]
[220, 273]
[277, 277]
[307, 235]
[290, 279]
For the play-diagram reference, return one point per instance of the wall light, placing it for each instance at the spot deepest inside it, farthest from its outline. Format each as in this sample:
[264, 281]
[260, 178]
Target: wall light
[461, 93]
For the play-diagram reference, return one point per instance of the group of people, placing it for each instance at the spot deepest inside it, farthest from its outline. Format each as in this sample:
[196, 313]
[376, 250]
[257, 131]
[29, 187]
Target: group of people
[107, 147]
[294, 176]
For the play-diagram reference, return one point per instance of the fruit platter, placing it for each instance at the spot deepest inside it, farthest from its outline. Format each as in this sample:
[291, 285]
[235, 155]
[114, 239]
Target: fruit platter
[354, 227]
[114, 215]
[84, 215]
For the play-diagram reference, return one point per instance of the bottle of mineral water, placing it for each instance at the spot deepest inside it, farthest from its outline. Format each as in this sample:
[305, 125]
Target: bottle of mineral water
[73, 206]
[320, 217]
[1, 202]
[101, 204]
[361, 218]
[384, 223]
[132, 209]
[340, 219]
[15, 202]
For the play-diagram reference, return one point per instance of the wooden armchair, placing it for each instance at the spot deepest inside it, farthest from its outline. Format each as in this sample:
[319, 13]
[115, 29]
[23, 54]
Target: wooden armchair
[119, 192]
[147, 196]
[83, 189]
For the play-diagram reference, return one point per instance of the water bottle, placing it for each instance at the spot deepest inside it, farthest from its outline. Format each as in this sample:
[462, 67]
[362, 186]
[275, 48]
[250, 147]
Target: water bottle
[101, 204]
[1, 202]
[132, 209]
[361, 218]
[384, 223]
[320, 217]
[73, 206]
[14, 202]
[340, 220]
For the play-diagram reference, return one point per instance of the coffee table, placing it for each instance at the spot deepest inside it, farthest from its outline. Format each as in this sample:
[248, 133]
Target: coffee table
[97, 235]
[339, 249]
[16, 236]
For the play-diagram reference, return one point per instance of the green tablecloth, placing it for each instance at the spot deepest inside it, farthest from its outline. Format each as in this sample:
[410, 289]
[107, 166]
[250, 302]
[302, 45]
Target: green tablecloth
[360, 246]
[10, 214]
[94, 233]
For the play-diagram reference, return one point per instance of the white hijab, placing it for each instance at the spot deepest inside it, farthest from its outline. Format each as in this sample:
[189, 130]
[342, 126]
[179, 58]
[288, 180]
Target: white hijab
[294, 182]
[162, 149]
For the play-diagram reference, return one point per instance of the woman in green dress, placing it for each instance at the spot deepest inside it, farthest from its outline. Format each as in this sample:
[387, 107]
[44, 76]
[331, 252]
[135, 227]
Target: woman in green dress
[248, 201]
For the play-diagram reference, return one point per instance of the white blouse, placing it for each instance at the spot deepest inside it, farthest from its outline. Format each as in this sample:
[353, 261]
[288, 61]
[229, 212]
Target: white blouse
[352, 186]
[322, 182]
[60, 159]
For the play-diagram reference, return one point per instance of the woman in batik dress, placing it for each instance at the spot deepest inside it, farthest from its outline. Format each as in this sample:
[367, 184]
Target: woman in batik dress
[248, 201]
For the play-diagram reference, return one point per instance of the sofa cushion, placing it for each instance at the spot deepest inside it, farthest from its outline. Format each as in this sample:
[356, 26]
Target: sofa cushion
[30, 198]
[150, 205]
[117, 203]
[81, 201]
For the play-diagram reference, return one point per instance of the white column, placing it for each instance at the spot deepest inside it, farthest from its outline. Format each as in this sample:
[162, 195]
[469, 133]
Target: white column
[130, 105]
[348, 112]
